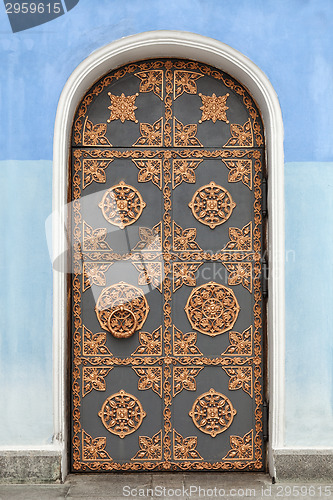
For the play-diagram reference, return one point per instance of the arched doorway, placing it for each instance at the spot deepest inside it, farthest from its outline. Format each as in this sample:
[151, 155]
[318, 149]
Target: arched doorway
[168, 224]
[173, 434]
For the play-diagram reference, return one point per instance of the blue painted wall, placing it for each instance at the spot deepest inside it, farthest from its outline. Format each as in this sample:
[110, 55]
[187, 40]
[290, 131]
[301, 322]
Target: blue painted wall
[291, 41]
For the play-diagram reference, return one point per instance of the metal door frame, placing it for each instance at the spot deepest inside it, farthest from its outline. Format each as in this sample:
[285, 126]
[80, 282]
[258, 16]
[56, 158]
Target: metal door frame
[215, 53]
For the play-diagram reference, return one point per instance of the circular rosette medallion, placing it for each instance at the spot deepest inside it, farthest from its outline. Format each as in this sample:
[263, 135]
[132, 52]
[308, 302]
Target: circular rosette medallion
[212, 205]
[122, 309]
[122, 413]
[122, 205]
[212, 308]
[212, 412]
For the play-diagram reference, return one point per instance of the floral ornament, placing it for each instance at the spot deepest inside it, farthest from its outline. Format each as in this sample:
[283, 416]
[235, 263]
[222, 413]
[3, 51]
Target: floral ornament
[94, 344]
[185, 135]
[184, 81]
[241, 136]
[149, 170]
[184, 344]
[184, 274]
[240, 239]
[240, 343]
[150, 343]
[94, 378]
[212, 205]
[183, 170]
[94, 239]
[122, 107]
[212, 308]
[94, 135]
[240, 170]
[151, 135]
[240, 378]
[184, 239]
[150, 274]
[151, 81]
[212, 413]
[94, 448]
[150, 378]
[150, 239]
[241, 447]
[184, 378]
[94, 274]
[150, 448]
[240, 273]
[94, 170]
[214, 108]
[185, 448]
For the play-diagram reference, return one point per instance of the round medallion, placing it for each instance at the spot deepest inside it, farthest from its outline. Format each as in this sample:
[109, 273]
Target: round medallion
[122, 309]
[212, 412]
[212, 308]
[122, 205]
[212, 205]
[122, 413]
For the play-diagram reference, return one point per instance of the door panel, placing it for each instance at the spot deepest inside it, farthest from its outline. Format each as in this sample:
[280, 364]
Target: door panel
[167, 309]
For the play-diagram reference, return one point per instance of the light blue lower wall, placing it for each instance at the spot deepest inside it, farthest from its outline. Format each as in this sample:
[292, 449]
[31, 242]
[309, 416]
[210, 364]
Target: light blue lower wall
[26, 304]
[309, 304]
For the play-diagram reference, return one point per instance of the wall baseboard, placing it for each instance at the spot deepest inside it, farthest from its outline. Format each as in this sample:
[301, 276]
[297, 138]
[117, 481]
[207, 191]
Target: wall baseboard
[30, 466]
[303, 465]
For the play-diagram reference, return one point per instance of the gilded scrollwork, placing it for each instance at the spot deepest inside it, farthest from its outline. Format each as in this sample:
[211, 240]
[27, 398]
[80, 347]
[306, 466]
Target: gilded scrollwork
[184, 273]
[94, 135]
[214, 108]
[94, 448]
[240, 343]
[184, 344]
[122, 107]
[185, 81]
[185, 135]
[240, 273]
[94, 171]
[150, 447]
[240, 377]
[185, 448]
[212, 309]
[150, 377]
[151, 81]
[94, 379]
[212, 413]
[150, 343]
[149, 170]
[151, 135]
[150, 273]
[241, 136]
[122, 414]
[183, 171]
[240, 171]
[212, 205]
[241, 447]
[184, 378]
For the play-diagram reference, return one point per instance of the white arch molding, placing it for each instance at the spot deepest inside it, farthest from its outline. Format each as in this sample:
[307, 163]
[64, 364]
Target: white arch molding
[149, 45]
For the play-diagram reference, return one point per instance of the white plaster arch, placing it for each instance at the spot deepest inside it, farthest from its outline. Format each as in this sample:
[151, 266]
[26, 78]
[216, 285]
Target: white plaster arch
[185, 45]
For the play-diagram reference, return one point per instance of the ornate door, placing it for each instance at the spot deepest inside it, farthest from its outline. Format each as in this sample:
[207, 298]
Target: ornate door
[167, 300]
